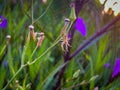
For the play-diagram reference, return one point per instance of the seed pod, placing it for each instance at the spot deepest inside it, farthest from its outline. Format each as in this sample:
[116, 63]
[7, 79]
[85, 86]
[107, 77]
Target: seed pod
[72, 14]
[28, 38]
[40, 39]
[31, 28]
[44, 1]
[67, 21]
[8, 37]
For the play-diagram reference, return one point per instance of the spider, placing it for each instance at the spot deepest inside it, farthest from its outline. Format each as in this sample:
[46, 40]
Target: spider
[65, 42]
[40, 39]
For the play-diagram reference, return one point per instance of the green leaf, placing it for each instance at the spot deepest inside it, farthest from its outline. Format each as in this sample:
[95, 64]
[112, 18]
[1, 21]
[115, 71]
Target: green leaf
[76, 74]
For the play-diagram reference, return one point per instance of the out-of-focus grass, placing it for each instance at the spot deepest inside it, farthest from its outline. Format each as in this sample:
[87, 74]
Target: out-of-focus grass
[40, 75]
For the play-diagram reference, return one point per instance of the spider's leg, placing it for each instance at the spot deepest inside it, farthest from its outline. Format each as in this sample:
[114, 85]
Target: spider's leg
[62, 46]
[66, 47]
[69, 45]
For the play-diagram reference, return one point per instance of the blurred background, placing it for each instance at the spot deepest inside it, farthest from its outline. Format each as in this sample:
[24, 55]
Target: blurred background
[86, 71]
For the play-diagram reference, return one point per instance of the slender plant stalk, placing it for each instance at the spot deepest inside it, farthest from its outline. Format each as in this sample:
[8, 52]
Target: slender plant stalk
[34, 61]
[23, 54]
[33, 52]
[10, 60]
[32, 12]
[92, 74]
[71, 23]
[58, 38]
[53, 73]
[40, 15]
[74, 86]
[14, 76]
[3, 49]
[43, 12]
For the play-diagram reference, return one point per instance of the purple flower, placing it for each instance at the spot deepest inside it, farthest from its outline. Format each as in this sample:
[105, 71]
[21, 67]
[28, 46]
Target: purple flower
[5, 64]
[107, 65]
[3, 22]
[116, 69]
[80, 26]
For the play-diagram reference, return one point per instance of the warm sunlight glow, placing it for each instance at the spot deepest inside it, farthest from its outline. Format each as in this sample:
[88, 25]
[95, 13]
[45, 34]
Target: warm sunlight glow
[102, 1]
[111, 4]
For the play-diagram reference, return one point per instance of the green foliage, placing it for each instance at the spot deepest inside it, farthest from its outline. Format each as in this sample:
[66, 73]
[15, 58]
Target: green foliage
[30, 67]
[2, 76]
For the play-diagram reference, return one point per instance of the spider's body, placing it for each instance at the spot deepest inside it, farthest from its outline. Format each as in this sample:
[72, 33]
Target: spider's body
[65, 42]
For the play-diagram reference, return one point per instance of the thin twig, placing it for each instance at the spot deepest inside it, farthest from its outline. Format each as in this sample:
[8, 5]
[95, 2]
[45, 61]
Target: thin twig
[32, 12]
[43, 12]
[74, 86]
[33, 53]
[34, 61]
[20, 69]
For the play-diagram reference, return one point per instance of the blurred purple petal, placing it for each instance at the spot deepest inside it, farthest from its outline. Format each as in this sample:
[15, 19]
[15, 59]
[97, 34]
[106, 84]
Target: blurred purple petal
[107, 65]
[69, 35]
[5, 64]
[80, 26]
[3, 22]
[116, 69]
